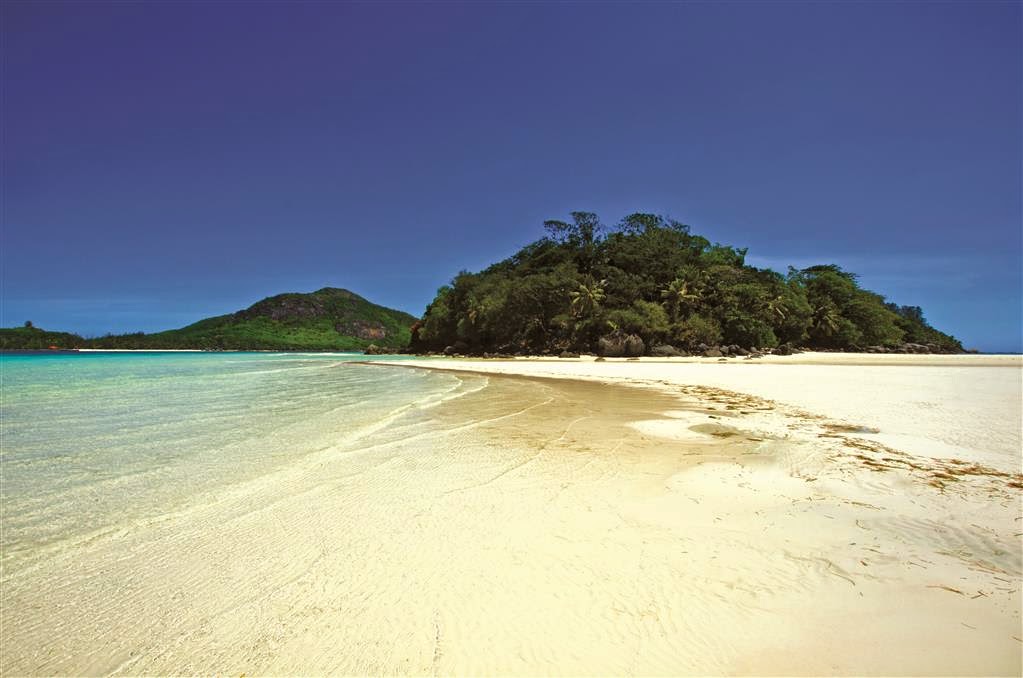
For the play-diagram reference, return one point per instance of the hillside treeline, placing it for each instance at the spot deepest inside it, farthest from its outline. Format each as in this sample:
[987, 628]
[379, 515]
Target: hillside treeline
[584, 286]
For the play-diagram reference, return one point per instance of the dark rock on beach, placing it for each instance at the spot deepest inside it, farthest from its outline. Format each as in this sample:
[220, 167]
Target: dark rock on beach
[665, 351]
[619, 344]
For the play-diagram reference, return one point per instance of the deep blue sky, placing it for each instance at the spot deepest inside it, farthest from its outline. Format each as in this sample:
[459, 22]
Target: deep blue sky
[168, 161]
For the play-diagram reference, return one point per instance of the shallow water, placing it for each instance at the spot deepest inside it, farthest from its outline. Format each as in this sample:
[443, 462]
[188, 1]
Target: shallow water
[99, 442]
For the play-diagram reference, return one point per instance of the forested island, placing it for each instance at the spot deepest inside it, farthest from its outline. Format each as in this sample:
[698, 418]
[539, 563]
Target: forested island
[647, 286]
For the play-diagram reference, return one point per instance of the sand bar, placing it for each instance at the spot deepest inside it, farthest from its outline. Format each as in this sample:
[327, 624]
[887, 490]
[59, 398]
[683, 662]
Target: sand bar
[882, 495]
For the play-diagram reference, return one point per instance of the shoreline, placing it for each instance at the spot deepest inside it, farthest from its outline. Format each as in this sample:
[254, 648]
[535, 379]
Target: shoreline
[943, 407]
[806, 358]
[939, 521]
[517, 524]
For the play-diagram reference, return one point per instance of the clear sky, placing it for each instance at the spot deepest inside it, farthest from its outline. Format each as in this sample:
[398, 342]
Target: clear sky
[166, 161]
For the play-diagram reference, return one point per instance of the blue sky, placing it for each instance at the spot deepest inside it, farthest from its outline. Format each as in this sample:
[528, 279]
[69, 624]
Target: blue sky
[168, 161]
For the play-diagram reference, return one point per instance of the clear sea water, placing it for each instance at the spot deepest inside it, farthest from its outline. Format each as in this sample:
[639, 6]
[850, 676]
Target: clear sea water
[94, 443]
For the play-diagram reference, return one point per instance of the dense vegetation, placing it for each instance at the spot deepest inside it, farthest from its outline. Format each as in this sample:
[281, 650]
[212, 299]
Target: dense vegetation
[29, 337]
[328, 319]
[651, 278]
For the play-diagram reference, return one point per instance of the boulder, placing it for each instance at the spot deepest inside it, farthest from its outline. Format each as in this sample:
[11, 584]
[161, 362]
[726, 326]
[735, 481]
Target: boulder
[665, 351]
[568, 354]
[619, 344]
[712, 353]
[373, 349]
[784, 349]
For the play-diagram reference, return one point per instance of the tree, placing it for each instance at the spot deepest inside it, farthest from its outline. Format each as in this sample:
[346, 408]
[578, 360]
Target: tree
[678, 296]
[586, 298]
[28, 324]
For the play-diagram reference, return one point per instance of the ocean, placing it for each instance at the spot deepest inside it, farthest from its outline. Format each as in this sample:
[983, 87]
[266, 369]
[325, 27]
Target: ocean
[98, 443]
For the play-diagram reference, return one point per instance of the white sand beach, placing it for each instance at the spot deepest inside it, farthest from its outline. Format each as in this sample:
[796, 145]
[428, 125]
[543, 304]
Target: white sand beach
[712, 519]
[871, 524]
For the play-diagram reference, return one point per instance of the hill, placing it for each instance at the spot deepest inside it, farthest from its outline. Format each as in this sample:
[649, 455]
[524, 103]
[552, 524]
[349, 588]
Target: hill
[650, 282]
[329, 319]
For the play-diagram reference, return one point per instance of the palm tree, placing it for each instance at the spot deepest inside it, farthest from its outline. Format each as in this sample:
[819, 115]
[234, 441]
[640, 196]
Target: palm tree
[776, 309]
[679, 295]
[825, 319]
[586, 298]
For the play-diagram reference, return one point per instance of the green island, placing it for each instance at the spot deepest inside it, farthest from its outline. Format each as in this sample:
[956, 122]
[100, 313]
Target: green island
[646, 286]
[650, 286]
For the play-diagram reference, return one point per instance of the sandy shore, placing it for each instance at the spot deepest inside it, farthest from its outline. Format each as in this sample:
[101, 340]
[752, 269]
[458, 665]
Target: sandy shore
[722, 519]
[868, 523]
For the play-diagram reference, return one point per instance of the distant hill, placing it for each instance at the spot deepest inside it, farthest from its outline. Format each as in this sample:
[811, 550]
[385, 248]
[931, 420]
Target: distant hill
[328, 319]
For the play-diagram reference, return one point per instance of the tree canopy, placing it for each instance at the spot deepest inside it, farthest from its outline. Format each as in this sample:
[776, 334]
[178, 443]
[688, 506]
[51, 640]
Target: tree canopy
[650, 276]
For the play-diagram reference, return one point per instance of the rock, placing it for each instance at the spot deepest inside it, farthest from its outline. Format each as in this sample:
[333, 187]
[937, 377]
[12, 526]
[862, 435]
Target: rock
[665, 351]
[712, 353]
[449, 350]
[363, 329]
[599, 359]
[784, 349]
[619, 344]
[373, 349]
[739, 350]
[632, 358]
[568, 354]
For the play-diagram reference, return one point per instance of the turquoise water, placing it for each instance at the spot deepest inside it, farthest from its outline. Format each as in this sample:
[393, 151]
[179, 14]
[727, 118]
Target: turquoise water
[94, 443]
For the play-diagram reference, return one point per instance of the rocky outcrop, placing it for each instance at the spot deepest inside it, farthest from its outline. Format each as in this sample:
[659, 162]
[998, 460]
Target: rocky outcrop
[362, 329]
[373, 349]
[666, 351]
[620, 345]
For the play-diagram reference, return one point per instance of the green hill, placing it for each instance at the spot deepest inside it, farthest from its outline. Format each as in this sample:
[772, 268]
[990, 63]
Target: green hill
[329, 319]
[648, 282]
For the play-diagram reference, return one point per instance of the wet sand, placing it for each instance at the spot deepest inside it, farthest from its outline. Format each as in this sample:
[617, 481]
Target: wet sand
[541, 526]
